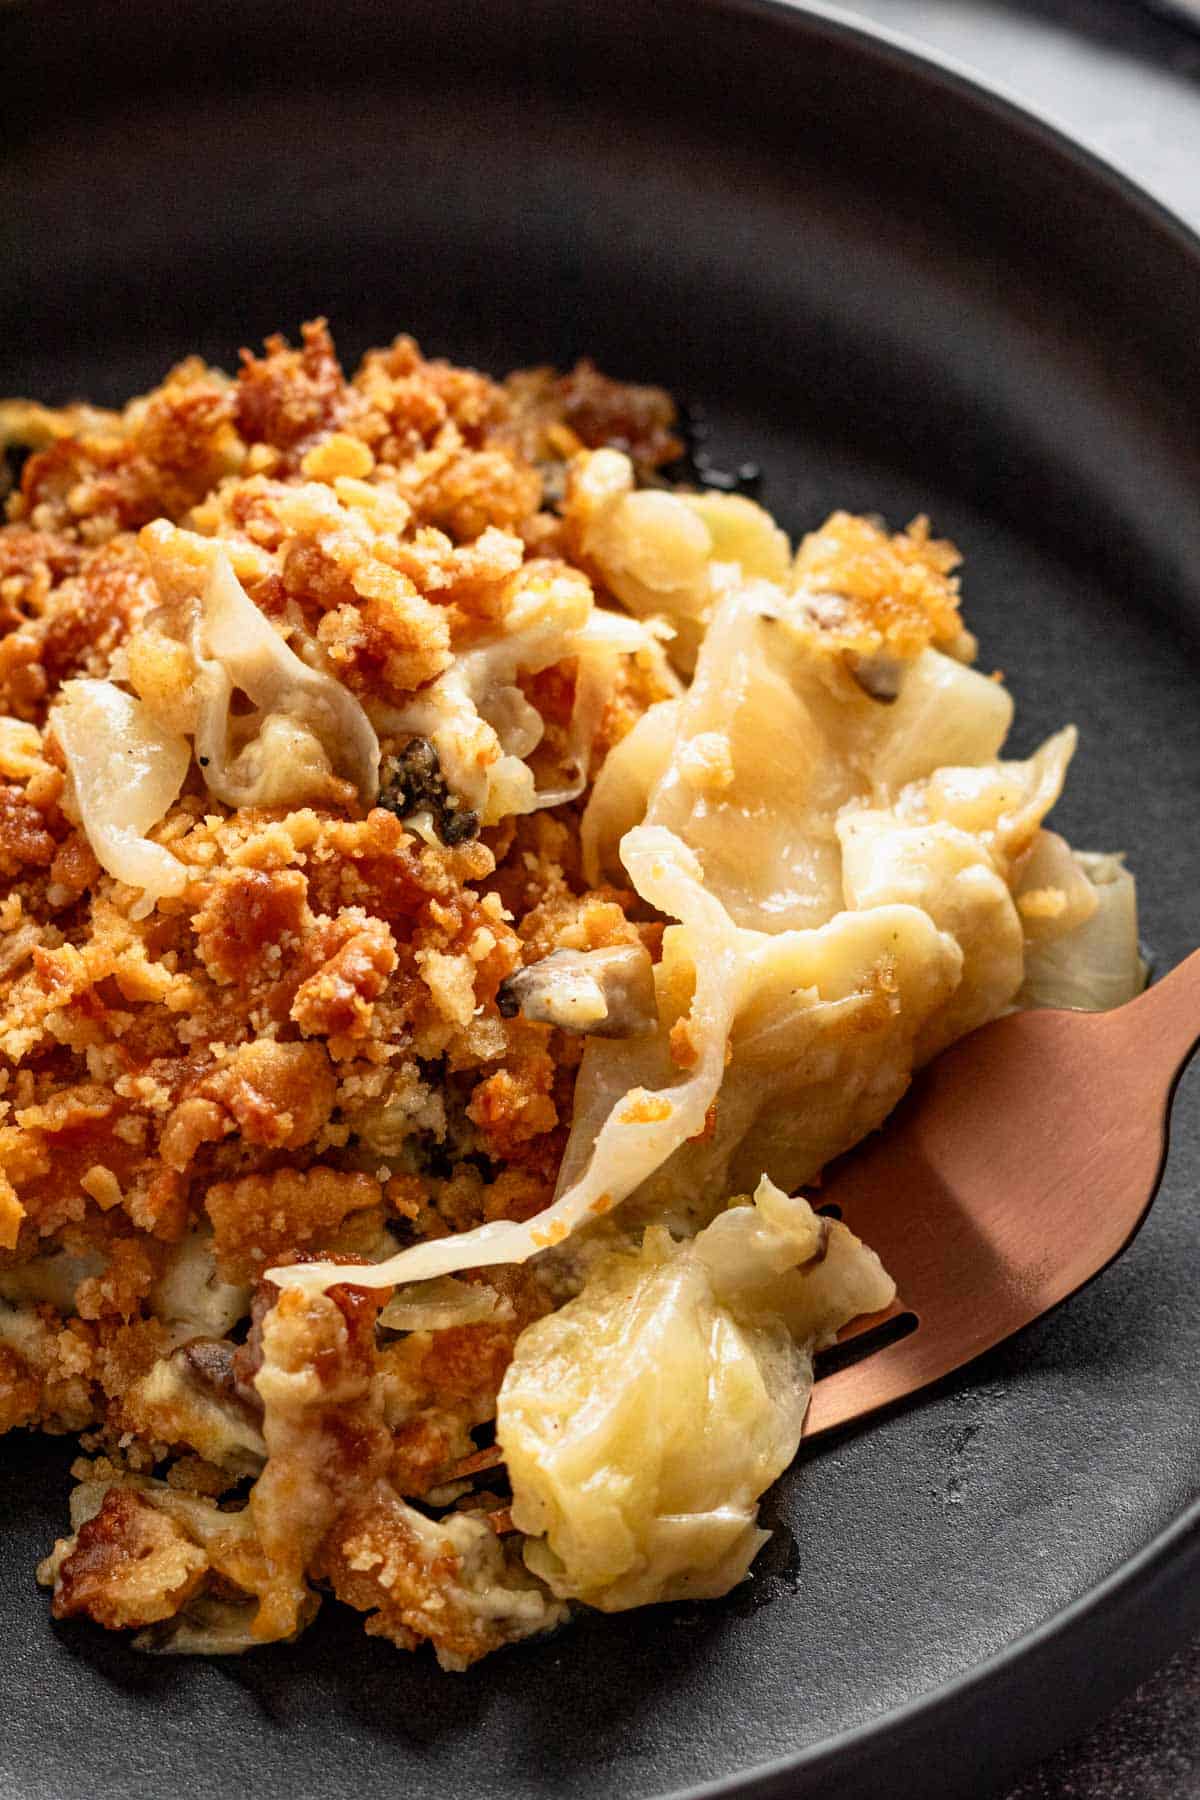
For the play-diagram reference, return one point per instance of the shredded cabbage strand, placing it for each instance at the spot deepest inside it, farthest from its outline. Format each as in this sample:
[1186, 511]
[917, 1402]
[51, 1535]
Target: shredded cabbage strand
[126, 770]
[638, 1134]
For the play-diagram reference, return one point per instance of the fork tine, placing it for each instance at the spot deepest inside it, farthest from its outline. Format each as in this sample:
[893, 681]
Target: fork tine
[1021, 1164]
[871, 1321]
[872, 1384]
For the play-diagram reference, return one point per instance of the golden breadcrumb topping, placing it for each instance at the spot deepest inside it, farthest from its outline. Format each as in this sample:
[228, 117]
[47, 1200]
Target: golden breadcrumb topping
[871, 593]
[301, 1050]
[253, 1000]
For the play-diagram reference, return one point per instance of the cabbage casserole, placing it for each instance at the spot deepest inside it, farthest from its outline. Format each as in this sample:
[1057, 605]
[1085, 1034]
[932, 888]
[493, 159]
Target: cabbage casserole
[458, 886]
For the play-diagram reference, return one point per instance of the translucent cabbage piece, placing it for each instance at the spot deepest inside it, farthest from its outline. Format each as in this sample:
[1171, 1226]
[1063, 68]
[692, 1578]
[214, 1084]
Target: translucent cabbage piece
[944, 713]
[1053, 893]
[670, 554]
[820, 1048]
[309, 724]
[756, 774]
[621, 791]
[950, 876]
[949, 846]
[126, 770]
[1097, 964]
[774, 737]
[642, 1421]
[435, 1305]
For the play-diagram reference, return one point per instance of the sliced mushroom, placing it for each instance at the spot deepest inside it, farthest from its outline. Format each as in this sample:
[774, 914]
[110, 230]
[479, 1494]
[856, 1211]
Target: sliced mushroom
[209, 1365]
[879, 676]
[198, 1399]
[413, 782]
[190, 1297]
[600, 993]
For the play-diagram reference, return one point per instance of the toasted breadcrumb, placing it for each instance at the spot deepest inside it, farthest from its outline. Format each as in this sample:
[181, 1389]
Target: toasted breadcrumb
[295, 1051]
[130, 1565]
[870, 593]
[301, 1053]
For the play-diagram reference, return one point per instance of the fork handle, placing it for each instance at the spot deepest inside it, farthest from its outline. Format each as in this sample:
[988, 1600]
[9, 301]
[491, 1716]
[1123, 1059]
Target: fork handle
[1163, 1023]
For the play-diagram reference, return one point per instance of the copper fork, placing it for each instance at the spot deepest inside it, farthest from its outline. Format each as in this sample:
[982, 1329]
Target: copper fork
[1022, 1162]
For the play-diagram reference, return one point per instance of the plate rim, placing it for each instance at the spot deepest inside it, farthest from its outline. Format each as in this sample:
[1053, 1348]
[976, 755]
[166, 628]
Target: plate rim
[1132, 1589]
[1131, 1592]
[993, 96]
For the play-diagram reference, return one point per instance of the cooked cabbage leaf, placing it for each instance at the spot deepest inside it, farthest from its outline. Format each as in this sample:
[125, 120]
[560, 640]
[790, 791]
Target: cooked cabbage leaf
[642, 1421]
[308, 725]
[1097, 963]
[669, 554]
[843, 871]
[774, 737]
[126, 770]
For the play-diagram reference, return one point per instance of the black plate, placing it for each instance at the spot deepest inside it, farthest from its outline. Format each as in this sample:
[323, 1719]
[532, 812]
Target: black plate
[896, 293]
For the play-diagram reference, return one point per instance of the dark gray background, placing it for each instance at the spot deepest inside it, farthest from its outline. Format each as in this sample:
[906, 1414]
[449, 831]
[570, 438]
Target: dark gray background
[1127, 83]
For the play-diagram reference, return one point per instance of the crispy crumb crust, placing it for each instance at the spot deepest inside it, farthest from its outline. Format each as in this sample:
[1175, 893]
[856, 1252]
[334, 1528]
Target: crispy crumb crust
[300, 1055]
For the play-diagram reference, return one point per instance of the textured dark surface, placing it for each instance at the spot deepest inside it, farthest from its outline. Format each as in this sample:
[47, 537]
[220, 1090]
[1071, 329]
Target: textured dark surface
[893, 297]
[1148, 1749]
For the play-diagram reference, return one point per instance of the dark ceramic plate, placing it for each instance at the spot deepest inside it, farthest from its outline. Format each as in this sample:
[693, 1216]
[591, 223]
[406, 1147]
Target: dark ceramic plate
[895, 293]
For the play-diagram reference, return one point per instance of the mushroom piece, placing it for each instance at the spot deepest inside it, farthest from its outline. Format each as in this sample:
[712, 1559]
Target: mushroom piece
[190, 1296]
[879, 676]
[199, 1398]
[210, 1366]
[600, 993]
[412, 782]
